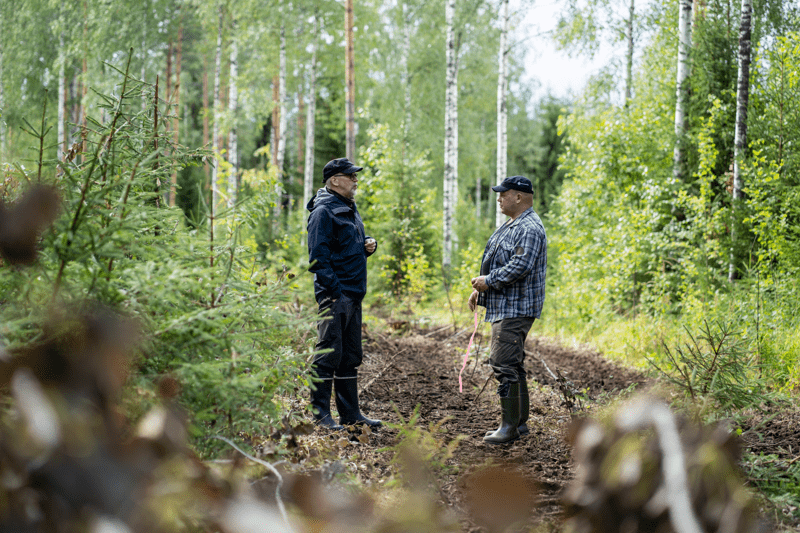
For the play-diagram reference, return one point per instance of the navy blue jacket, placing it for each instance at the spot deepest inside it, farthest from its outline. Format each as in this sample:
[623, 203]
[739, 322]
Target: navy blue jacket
[336, 247]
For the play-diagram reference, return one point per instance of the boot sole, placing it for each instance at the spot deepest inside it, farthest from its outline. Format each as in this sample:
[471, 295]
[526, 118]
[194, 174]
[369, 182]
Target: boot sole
[521, 432]
[503, 442]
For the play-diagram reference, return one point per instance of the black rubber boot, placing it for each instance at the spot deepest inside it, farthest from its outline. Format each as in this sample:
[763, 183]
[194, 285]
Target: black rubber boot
[524, 409]
[321, 404]
[510, 407]
[347, 404]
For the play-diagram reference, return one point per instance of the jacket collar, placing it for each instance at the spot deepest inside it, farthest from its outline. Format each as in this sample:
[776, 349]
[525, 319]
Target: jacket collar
[347, 201]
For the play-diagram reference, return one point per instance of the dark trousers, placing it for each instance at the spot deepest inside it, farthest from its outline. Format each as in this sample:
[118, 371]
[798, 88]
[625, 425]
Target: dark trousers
[339, 331]
[508, 349]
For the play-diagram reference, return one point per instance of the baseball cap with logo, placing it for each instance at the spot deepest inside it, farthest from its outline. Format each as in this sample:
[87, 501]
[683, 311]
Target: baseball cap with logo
[518, 183]
[339, 166]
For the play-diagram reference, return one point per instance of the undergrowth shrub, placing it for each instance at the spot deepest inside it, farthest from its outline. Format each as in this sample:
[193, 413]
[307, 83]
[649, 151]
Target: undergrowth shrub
[778, 478]
[211, 317]
[430, 447]
[715, 362]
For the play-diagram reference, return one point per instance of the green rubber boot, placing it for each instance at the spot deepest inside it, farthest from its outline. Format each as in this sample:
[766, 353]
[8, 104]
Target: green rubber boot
[510, 408]
[524, 410]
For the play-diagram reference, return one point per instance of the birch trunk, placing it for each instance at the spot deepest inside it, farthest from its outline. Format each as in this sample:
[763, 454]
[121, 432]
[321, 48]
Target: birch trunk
[684, 45]
[84, 78]
[502, 111]
[308, 185]
[282, 105]
[349, 74]
[176, 122]
[3, 138]
[62, 98]
[450, 137]
[205, 113]
[233, 104]
[3, 98]
[301, 130]
[215, 132]
[740, 137]
[629, 55]
[275, 118]
[406, 79]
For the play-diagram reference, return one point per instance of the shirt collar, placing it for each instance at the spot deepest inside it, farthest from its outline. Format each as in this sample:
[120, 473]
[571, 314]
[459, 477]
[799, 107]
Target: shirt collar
[524, 214]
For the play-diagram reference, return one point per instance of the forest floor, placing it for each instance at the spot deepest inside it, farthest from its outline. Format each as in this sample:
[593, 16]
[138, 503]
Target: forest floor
[411, 367]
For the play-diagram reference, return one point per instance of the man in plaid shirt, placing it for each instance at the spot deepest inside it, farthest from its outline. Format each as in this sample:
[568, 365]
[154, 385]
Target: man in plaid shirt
[511, 287]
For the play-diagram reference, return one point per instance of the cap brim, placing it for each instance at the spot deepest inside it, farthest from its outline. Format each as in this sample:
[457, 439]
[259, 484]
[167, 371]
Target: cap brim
[352, 169]
[500, 188]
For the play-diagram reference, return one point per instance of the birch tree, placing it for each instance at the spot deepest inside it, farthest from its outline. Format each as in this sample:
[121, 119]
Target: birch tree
[406, 77]
[629, 54]
[215, 130]
[502, 111]
[3, 138]
[281, 153]
[233, 104]
[350, 87]
[585, 24]
[740, 136]
[62, 94]
[682, 90]
[176, 119]
[450, 185]
[311, 109]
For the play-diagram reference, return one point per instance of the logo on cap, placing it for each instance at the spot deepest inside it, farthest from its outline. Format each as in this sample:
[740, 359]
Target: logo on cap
[517, 183]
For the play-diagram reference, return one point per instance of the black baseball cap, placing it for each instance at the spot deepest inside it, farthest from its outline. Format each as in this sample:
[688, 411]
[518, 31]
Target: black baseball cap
[339, 166]
[518, 183]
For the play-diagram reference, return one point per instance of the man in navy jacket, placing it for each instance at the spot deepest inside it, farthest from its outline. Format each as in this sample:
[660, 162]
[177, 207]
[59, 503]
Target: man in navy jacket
[338, 251]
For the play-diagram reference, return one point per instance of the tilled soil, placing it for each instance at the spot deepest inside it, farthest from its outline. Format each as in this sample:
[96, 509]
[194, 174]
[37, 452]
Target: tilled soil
[421, 369]
[418, 369]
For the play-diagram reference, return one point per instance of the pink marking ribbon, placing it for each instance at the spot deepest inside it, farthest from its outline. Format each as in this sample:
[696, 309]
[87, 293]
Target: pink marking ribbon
[466, 355]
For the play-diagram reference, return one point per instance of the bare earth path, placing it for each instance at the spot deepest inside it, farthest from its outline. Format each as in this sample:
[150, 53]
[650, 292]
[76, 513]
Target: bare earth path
[421, 368]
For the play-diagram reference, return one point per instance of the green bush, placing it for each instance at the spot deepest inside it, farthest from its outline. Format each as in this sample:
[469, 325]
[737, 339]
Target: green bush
[211, 317]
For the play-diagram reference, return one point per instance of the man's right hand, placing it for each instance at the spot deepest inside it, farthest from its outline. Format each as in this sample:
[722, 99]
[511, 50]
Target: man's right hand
[473, 300]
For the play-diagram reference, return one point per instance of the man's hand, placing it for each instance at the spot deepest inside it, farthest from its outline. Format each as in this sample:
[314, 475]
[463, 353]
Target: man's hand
[473, 300]
[479, 283]
[370, 245]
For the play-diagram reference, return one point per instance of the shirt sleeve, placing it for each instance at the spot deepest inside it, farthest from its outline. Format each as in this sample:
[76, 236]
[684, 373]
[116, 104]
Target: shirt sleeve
[320, 235]
[527, 246]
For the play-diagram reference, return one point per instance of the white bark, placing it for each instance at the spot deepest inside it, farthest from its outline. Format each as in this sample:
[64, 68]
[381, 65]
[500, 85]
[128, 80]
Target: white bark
[629, 55]
[684, 46]
[450, 187]
[61, 148]
[215, 131]
[308, 185]
[502, 111]
[406, 78]
[740, 136]
[282, 104]
[478, 198]
[350, 84]
[3, 138]
[233, 104]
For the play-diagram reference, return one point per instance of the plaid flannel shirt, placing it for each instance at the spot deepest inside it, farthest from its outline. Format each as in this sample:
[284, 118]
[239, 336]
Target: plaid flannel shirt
[517, 264]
